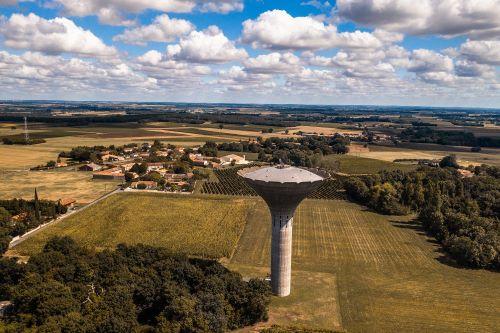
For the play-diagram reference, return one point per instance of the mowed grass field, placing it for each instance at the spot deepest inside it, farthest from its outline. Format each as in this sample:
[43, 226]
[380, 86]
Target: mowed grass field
[353, 269]
[53, 185]
[363, 272]
[203, 226]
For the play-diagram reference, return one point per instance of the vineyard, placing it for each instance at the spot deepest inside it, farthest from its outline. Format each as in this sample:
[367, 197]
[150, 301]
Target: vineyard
[230, 183]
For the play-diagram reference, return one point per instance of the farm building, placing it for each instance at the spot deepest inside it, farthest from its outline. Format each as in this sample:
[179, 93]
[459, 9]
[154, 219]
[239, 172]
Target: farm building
[90, 167]
[238, 160]
[67, 202]
[113, 173]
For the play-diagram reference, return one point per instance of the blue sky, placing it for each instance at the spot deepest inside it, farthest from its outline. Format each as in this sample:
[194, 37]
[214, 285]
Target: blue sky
[429, 52]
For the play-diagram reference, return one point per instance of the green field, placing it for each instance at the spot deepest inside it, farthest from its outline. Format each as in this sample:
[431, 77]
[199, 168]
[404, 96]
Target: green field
[353, 269]
[204, 226]
[354, 165]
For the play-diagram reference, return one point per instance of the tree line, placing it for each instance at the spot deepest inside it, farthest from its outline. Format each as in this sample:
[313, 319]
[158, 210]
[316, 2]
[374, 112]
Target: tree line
[453, 138]
[68, 288]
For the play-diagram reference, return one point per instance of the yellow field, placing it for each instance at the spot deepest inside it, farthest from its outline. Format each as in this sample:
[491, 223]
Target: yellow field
[53, 185]
[465, 158]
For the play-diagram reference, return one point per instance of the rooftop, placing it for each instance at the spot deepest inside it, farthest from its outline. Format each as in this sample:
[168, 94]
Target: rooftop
[280, 174]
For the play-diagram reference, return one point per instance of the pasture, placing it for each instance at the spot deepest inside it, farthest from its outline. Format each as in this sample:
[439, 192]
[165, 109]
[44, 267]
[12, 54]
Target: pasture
[353, 269]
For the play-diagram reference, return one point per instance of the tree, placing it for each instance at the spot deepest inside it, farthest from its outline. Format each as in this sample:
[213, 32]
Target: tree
[449, 161]
[38, 216]
[5, 217]
[139, 169]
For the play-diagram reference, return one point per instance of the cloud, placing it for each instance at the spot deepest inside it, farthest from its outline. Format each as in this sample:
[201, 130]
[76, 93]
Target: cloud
[477, 19]
[278, 30]
[483, 52]
[115, 12]
[220, 6]
[53, 36]
[431, 66]
[465, 68]
[237, 79]
[273, 63]
[8, 2]
[207, 46]
[39, 73]
[163, 29]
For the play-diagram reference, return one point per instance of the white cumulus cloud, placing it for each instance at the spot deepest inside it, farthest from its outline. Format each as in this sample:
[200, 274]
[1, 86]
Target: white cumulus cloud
[207, 46]
[278, 30]
[162, 29]
[115, 12]
[479, 19]
[54, 36]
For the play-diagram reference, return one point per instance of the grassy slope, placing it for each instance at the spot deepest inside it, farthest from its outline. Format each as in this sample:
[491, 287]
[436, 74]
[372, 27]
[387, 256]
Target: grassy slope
[381, 272]
[194, 225]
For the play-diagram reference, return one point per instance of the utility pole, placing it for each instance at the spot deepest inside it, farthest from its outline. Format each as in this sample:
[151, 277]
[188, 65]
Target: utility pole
[26, 134]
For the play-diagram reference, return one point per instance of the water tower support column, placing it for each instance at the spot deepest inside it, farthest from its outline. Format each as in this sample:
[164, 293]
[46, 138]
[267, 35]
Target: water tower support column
[281, 252]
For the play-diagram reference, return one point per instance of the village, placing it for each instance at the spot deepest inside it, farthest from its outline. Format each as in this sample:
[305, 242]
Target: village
[156, 167]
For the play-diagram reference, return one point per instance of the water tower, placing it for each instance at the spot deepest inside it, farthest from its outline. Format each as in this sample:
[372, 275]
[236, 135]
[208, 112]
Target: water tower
[283, 188]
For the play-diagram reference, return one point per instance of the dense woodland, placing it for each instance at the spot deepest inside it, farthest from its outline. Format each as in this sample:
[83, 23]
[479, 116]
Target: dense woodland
[17, 216]
[67, 288]
[463, 214]
[453, 138]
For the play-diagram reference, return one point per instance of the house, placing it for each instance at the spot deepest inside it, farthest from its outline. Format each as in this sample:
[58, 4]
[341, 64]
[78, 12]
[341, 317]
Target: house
[90, 167]
[3, 306]
[128, 150]
[67, 202]
[113, 173]
[61, 164]
[155, 166]
[144, 184]
[232, 158]
[198, 160]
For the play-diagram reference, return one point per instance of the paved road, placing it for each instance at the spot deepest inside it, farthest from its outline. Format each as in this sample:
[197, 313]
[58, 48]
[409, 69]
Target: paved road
[30, 233]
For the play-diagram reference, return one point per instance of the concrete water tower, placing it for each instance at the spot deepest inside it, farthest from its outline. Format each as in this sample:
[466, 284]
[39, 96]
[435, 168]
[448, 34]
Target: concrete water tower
[282, 188]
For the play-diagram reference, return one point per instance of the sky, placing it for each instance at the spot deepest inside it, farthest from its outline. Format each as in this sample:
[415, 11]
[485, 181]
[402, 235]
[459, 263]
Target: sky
[377, 52]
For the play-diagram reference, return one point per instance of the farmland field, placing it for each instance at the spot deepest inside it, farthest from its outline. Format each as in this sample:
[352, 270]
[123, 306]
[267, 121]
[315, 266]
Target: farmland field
[388, 276]
[352, 269]
[350, 164]
[53, 185]
[203, 226]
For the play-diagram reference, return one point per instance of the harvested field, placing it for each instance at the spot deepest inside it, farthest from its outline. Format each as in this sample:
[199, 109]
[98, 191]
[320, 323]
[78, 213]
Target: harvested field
[53, 185]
